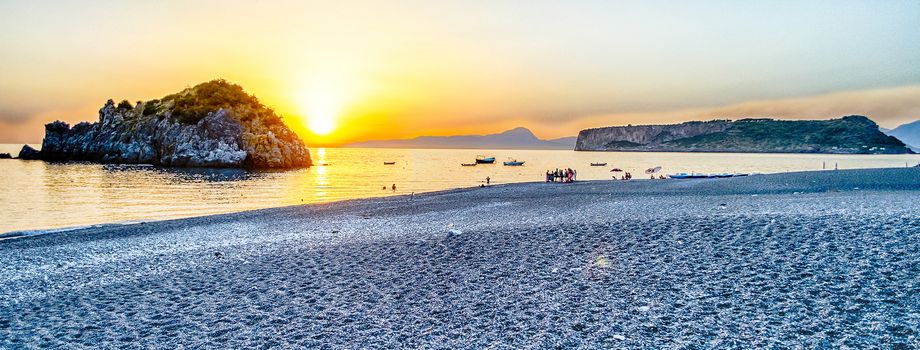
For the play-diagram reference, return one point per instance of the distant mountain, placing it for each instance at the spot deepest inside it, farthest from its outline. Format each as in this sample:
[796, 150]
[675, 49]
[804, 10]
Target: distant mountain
[848, 135]
[568, 142]
[909, 133]
[517, 138]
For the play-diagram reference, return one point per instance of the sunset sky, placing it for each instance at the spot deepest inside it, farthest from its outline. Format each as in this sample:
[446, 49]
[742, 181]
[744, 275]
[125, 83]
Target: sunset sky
[361, 70]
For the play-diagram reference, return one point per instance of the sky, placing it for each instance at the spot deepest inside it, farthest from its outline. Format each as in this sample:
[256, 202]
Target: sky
[345, 71]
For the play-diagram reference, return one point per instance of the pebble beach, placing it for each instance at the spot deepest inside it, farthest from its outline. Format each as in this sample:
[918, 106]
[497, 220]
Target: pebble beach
[824, 259]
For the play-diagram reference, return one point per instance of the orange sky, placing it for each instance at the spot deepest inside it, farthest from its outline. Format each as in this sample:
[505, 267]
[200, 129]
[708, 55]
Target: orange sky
[378, 70]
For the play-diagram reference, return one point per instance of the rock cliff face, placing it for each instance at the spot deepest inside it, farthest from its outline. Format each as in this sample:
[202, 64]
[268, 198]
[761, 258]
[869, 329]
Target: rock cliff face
[851, 134]
[214, 124]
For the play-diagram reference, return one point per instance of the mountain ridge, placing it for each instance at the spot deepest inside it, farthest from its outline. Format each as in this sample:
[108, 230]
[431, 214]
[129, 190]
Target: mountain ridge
[909, 133]
[516, 138]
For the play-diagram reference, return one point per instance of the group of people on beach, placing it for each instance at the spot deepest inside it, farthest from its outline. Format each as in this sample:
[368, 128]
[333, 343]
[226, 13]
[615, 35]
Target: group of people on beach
[561, 175]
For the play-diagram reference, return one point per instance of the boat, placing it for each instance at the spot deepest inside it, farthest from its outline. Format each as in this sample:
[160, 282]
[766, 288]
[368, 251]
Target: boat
[616, 170]
[389, 163]
[485, 160]
[513, 162]
[688, 176]
[598, 164]
[468, 164]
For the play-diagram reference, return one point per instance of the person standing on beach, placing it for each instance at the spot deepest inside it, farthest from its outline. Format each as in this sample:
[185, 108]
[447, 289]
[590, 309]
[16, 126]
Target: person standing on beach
[488, 180]
[394, 187]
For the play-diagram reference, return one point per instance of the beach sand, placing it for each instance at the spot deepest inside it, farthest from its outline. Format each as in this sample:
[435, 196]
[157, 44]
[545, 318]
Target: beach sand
[811, 259]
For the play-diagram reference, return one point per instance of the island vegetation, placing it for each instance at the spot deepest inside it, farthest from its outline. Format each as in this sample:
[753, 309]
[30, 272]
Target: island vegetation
[213, 124]
[848, 135]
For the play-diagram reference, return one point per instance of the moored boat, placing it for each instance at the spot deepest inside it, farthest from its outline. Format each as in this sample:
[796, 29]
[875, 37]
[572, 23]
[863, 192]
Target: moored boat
[389, 163]
[598, 164]
[513, 162]
[485, 160]
[468, 164]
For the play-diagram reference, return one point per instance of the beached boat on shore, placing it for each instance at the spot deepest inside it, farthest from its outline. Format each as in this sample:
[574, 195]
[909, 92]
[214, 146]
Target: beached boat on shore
[598, 164]
[467, 164]
[688, 176]
[513, 163]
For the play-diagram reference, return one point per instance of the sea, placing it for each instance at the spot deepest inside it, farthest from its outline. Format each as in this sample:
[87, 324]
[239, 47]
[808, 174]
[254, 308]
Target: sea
[37, 196]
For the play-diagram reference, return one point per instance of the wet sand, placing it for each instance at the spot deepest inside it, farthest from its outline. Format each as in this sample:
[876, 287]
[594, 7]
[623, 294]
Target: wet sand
[811, 259]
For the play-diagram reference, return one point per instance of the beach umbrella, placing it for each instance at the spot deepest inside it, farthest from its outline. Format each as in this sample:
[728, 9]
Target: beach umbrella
[616, 170]
[653, 170]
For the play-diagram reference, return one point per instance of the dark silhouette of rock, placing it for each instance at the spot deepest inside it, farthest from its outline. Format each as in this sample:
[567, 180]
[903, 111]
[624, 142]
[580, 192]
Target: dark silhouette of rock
[847, 135]
[29, 153]
[214, 124]
[5, 156]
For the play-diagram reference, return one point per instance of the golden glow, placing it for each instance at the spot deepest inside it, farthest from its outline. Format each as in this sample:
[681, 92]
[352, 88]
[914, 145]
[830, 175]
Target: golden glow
[321, 107]
[323, 102]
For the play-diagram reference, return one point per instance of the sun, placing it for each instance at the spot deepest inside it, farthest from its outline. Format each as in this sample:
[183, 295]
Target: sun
[322, 106]
[321, 124]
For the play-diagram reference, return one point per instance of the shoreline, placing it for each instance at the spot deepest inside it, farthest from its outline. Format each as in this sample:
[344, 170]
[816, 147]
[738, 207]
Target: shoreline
[18, 234]
[800, 259]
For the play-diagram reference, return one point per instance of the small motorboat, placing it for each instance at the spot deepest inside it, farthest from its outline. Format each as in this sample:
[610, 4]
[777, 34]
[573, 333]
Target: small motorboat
[513, 162]
[485, 160]
[616, 170]
[598, 164]
[389, 163]
[468, 164]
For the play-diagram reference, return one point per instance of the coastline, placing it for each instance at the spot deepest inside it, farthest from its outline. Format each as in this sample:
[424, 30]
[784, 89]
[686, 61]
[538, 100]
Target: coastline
[596, 263]
[17, 234]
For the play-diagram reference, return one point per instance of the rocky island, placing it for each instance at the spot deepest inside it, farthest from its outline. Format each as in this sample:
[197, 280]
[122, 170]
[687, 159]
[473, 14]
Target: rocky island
[847, 135]
[213, 124]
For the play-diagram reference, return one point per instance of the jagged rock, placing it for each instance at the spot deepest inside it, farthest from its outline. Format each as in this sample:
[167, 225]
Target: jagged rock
[29, 153]
[850, 134]
[214, 124]
[5, 156]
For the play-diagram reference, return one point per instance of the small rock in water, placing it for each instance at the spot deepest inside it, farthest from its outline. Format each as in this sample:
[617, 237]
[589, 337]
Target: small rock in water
[29, 153]
[218, 255]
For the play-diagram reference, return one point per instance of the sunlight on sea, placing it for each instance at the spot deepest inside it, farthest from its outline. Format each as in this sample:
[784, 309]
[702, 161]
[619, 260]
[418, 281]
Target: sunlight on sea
[40, 195]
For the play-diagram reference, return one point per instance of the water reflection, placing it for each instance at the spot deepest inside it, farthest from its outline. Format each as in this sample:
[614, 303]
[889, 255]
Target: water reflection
[41, 195]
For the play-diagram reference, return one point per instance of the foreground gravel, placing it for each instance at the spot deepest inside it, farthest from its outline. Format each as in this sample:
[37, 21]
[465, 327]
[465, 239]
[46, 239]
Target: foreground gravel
[801, 260]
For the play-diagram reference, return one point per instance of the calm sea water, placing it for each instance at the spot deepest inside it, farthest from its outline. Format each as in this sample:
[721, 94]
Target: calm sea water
[39, 195]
